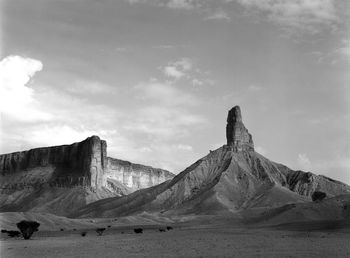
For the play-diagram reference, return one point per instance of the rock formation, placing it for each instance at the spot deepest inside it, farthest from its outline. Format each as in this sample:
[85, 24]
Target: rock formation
[81, 164]
[136, 176]
[238, 137]
[62, 178]
[232, 178]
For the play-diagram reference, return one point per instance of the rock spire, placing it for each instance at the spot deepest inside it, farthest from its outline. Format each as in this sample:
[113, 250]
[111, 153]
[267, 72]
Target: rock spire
[238, 137]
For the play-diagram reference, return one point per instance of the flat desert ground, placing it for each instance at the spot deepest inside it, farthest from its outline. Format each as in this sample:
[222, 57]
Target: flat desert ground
[185, 240]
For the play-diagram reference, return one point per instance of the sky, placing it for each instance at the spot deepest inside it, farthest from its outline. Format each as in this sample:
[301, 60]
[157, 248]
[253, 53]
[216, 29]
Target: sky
[156, 78]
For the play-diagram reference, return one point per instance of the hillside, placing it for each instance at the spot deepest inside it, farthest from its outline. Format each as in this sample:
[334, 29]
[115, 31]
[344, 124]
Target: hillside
[229, 179]
[60, 179]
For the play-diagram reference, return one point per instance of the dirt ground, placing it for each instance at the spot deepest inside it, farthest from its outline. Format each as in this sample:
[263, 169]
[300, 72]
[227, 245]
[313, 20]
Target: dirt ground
[182, 241]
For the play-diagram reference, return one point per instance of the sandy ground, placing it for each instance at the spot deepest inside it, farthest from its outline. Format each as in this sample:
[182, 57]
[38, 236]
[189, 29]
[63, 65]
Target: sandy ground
[183, 241]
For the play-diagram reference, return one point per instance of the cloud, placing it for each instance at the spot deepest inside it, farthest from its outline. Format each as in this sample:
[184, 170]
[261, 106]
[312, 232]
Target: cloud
[165, 110]
[172, 4]
[164, 93]
[17, 100]
[178, 69]
[182, 4]
[220, 15]
[185, 147]
[300, 14]
[344, 50]
[304, 162]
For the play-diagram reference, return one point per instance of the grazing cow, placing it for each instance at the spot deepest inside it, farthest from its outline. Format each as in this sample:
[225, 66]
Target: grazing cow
[161, 230]
[13, 233]
[318, 196]
[138, 230]
[100, 231]
[169, 228]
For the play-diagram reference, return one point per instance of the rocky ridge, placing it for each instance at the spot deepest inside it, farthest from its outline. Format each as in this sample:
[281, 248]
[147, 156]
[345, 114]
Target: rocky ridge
[230, 179]
[59, 179]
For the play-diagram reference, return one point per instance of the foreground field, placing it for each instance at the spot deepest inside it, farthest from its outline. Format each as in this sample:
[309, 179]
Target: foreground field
[183, 241]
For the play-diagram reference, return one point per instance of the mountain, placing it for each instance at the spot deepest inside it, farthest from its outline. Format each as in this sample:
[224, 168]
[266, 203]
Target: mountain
[230, 179]
[63, 178]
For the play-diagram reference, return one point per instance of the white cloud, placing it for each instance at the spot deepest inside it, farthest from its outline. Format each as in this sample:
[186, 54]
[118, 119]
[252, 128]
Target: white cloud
[172, 4]
[86, 87]
[344, 50]
[220, 15]
[301, 14]
[164, 93]
[178, 69]
[182, 4]
[16, 98]
[254, 88]
[184, 147]
[304, 162]
[173, 71]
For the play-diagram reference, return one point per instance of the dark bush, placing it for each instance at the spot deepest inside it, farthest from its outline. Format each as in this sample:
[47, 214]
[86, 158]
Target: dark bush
[27, 228]
[122, 232]
[318, 196]
[161, 230]
[74, 229]
[83, 234]
[169, 228]
[62, 229]
[138, 230]
[13, 233]
[100, 231]
[108, 226]
[3, 231]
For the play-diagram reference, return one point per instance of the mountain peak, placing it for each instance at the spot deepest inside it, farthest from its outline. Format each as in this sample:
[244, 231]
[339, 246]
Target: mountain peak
[237, 135]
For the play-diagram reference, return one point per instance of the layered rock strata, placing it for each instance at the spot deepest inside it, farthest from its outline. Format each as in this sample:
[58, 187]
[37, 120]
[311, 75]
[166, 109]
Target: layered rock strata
[238, 137]
[136, 176]
[81, 163]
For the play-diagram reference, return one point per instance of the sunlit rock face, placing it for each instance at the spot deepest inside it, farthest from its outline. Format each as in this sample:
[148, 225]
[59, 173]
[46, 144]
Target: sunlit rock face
[136, 176]
[238, 137]
[78, 164]
[60, 179]
[232, 178]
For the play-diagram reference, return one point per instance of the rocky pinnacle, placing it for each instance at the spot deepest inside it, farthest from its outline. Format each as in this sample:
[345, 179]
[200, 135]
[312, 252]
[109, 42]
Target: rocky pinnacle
[237, 135]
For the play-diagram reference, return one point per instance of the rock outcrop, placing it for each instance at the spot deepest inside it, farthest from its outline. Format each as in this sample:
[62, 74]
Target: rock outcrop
[232, 178]
[60, 179]
[136, 176]
[78, 164]
[238, 137]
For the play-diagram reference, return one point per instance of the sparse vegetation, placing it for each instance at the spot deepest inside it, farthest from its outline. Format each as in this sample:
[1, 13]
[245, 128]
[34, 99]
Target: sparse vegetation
[11, 233]
[100, 231]
[83, 234]
[318, 196]
[27, 228]
[138, 230]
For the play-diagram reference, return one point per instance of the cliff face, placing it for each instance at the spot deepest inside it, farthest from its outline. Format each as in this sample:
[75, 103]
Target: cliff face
[60, 179]
[230, 179]
[135, 176]
[78, 164]
[238, 137]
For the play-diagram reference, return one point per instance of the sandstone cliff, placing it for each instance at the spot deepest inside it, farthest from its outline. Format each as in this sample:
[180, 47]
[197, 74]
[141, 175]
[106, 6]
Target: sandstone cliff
[237, 135]
[78, 164]
[136, 176]
[60, 179]
[232, 178]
